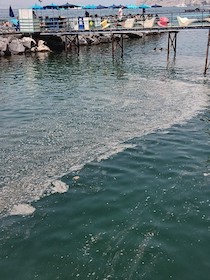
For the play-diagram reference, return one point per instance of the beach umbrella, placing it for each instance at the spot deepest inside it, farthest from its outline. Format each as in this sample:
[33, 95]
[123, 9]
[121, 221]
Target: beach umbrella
[132, 6]
[89, 7]
[117, 6]
[156, 6]
[122, 6]
[144, 6]
[11, 13]
[37, 7]
[68, 6]
[101, 7]
[51, 7]
[114, 6]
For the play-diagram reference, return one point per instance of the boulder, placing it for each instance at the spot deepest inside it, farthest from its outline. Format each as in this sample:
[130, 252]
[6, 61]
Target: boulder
[96, 39]
[54, 42]
[34, 49]
[105, 38]
[82, 40]
[42, 47]
[90, 40]
[3, 44]
[16, 47]
[7, 52]
[28, 42]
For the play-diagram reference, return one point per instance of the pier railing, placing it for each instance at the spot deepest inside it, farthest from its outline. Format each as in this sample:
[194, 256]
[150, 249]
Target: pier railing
[56, 24]
[183, 20]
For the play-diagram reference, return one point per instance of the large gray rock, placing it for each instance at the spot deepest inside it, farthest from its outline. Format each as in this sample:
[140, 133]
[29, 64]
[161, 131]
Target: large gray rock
[4, 47]
[28, 42]
[104, 38]
[42, 47]
[3, 44]
[16, 47]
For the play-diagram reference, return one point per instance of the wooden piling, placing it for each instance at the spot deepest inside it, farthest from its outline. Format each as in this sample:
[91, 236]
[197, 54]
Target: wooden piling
[207, 54]
[172, 38]
[122, 46]
[113, 48]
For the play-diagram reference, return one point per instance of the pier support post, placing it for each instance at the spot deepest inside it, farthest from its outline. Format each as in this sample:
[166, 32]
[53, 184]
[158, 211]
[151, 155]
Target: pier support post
[66, 44]
[172, 36]
[121, 45]
[113, 48]
[207, 54]
[119, 42]
[77, 43]
[72, 40]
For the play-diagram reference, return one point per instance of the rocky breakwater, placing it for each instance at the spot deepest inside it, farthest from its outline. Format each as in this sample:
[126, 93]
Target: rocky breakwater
[13, 44]
[18, 44]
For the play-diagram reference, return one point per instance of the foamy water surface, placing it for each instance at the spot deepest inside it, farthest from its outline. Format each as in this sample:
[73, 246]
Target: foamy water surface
[58, 114]
[104, 170]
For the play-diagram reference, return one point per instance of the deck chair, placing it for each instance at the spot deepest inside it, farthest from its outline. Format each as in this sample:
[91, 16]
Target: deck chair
[183, 22]
[207, 19]
[104, 24]
[147, 23]
[129, 23]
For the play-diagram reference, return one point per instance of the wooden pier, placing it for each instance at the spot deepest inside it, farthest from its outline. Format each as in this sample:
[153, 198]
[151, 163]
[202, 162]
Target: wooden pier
[117, 35]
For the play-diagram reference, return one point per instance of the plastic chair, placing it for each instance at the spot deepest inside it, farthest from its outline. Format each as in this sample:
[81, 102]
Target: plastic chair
[163, 22]
[104, 24]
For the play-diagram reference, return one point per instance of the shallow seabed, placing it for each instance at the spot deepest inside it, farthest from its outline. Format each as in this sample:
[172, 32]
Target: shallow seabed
[107, 161]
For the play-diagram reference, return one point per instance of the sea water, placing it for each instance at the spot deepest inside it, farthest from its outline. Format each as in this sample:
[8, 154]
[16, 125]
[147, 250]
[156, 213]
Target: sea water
[104, 170]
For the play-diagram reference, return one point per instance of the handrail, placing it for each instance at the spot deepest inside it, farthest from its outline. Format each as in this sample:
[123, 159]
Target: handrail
[70, 24]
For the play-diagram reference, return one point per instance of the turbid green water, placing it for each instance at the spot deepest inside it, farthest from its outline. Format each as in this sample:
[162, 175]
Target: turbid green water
[105, 164]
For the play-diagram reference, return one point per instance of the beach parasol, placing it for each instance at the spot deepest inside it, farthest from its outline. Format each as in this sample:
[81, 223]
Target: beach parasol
[117, 6]
[37, 7]
[132, 6]
[51, 7]
[68, 6]
[143, 7]
[89, 7]
[114, 6]
[101, 7]
[122, 6]
[156, 6]
[11, 13]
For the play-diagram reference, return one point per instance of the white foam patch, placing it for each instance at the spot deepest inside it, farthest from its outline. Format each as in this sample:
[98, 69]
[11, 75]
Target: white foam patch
[22, 209]
[34, 156]
[59, 187]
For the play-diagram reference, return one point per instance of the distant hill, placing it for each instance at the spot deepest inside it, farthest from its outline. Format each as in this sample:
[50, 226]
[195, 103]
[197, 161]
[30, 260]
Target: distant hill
[175, 2]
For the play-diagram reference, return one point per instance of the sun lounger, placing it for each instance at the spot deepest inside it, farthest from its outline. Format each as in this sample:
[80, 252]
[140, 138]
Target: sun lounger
[147, 23]
[129, 22]
[207, 19]
[183, 22]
